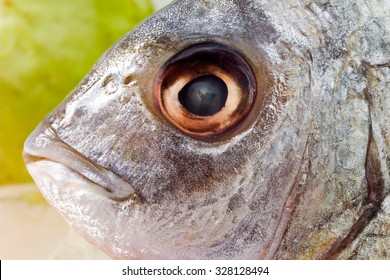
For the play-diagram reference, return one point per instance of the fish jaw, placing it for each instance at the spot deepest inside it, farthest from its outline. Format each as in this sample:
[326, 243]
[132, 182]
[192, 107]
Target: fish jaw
[44, 149]
[69, 181]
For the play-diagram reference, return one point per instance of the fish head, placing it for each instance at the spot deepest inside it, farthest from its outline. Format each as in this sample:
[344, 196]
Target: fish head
[142, 174]
[141, 184]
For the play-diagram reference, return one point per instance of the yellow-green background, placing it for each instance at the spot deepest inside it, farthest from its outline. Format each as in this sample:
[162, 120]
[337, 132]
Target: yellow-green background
[46, 47]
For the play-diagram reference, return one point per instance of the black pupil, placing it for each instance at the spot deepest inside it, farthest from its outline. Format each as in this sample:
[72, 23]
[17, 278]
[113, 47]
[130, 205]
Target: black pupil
[204, 96]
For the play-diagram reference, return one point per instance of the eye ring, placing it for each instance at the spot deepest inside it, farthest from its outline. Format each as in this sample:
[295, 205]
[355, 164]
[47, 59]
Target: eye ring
[210, 59]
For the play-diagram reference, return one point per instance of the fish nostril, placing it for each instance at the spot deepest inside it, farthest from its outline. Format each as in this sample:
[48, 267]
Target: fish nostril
[128, 80]
[107, 81]
[110, 85]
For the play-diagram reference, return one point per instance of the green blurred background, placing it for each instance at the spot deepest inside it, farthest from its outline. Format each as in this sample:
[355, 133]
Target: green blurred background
[46, 48]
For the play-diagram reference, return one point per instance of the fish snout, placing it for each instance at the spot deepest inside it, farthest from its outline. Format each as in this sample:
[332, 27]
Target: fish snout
[53, 163]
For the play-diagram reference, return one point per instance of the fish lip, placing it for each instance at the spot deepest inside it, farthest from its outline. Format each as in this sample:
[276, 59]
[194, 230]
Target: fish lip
[44, 145]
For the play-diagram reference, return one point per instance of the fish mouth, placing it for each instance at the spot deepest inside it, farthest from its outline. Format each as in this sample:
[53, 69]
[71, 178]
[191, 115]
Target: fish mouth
[47, 157]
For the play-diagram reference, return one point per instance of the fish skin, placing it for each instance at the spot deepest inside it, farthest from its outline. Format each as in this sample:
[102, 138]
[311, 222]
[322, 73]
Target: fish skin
[306, 178]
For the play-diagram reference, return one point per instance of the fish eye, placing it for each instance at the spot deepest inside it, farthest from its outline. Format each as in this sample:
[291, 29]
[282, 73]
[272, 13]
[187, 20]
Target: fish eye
[206, 90]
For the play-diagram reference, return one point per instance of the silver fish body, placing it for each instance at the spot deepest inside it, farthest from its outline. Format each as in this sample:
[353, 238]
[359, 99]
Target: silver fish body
[302, 174]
